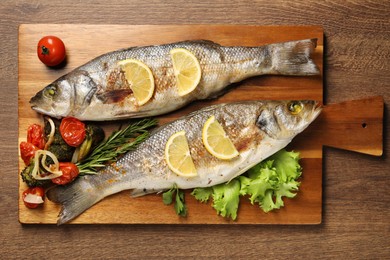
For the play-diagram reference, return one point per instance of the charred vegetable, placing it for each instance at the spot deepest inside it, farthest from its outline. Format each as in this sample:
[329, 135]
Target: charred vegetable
[92, 154]
[29, 179]
[66, 153]
[94, 136]
[57, 146]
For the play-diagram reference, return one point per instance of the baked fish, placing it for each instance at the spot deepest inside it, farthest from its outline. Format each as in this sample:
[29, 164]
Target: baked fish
[257, 130]
[99, 91]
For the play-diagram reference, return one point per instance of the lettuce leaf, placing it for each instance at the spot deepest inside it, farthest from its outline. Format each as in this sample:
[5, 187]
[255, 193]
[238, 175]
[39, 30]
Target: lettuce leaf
[287, 165]
[266, 184]
[226, 198]
[273, 179]
[202, 194]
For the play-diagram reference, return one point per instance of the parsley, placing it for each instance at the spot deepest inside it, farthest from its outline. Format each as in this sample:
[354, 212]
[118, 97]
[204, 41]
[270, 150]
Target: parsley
[179, 205]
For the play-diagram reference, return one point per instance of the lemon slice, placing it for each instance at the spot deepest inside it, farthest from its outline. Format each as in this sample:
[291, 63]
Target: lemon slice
[140, 78]
[216, 141]
[187, 70]
[178, 157]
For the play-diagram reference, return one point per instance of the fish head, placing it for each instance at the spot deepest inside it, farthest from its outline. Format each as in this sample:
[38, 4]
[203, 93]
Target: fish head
[286, 119]
[54, 99]
[66, 96]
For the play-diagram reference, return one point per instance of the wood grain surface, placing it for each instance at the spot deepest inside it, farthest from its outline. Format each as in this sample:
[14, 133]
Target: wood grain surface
[355, 198]
[33, 75]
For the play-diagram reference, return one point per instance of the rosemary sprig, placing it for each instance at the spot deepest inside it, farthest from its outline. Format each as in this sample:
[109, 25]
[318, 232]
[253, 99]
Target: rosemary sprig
[118, 143]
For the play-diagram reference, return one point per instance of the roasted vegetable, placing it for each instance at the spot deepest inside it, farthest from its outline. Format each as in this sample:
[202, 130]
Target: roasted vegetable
[33, 197]
[58, 146]
[72, 131]
[29, 180]
[94, 136]
[65, 152]
[27, 151]
[69, 173]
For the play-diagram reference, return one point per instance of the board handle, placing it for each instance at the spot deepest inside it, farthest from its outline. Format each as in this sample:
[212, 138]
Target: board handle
[355, 125]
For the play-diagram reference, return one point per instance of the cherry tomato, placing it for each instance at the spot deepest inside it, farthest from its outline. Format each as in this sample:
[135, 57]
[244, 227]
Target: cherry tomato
[35, 136]
[51, 50]
[39, 191]
[27, 151]
[69, 173]
[72, 131]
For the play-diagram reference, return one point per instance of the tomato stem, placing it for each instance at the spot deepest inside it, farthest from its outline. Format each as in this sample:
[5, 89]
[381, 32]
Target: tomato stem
[45, 51]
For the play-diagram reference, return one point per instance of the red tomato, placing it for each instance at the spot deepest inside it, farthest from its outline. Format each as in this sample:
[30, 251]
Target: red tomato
[69, 173]
[27, 151]
[35, 136]
[72, 131]
[39, 191]
[51, 50]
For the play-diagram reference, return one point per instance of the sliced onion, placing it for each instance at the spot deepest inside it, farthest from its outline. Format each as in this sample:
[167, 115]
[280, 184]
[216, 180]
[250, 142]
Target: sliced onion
[53, 169]
[50, 139]
[33, 198]
[55, 160]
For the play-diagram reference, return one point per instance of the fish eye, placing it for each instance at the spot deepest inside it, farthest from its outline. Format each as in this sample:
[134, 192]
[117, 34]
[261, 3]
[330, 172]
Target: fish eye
[50, 90]
[294, 107]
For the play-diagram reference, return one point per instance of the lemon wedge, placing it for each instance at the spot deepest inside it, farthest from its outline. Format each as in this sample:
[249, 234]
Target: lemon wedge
[216, 141]
[187, 70]
[178, 157]
[140, 78]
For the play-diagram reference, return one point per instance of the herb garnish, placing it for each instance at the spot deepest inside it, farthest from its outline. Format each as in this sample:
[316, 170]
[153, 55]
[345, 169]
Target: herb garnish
[118, 143]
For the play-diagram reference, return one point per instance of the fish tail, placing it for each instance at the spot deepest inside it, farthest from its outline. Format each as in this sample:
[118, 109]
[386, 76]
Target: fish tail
[75, 198]
[293, 58]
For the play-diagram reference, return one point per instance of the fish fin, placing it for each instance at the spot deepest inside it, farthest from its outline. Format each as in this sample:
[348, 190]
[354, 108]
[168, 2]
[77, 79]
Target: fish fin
[141, 192]
[200, 41]
[293, 58]
[203, 110]
[224, 91]
[219, 94]
[75, 198]
[114, 96]
[134, 114]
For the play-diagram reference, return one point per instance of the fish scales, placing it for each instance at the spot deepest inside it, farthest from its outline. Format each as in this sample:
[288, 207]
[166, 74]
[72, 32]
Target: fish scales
[236, 119]
[98, 90]
[256, 128]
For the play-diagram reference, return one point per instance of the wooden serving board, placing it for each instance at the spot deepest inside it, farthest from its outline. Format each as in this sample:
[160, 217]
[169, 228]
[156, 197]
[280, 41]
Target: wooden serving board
[339, 125]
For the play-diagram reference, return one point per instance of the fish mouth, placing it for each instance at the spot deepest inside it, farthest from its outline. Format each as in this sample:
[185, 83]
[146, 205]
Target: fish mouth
[317, 108]
[42, 110]
[39, 104]
[313, 112]
[36, 101]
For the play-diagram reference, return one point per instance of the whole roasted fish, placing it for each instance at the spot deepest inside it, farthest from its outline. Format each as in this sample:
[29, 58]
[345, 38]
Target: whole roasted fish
[99, 90]
[257, 129]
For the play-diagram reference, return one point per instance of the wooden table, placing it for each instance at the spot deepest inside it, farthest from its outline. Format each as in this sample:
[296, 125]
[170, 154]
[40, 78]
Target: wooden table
[355, 221]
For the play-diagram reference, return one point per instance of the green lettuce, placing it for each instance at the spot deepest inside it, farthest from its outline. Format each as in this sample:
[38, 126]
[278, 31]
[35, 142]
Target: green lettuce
[266, 184]
[226, 197]
[202, 194]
